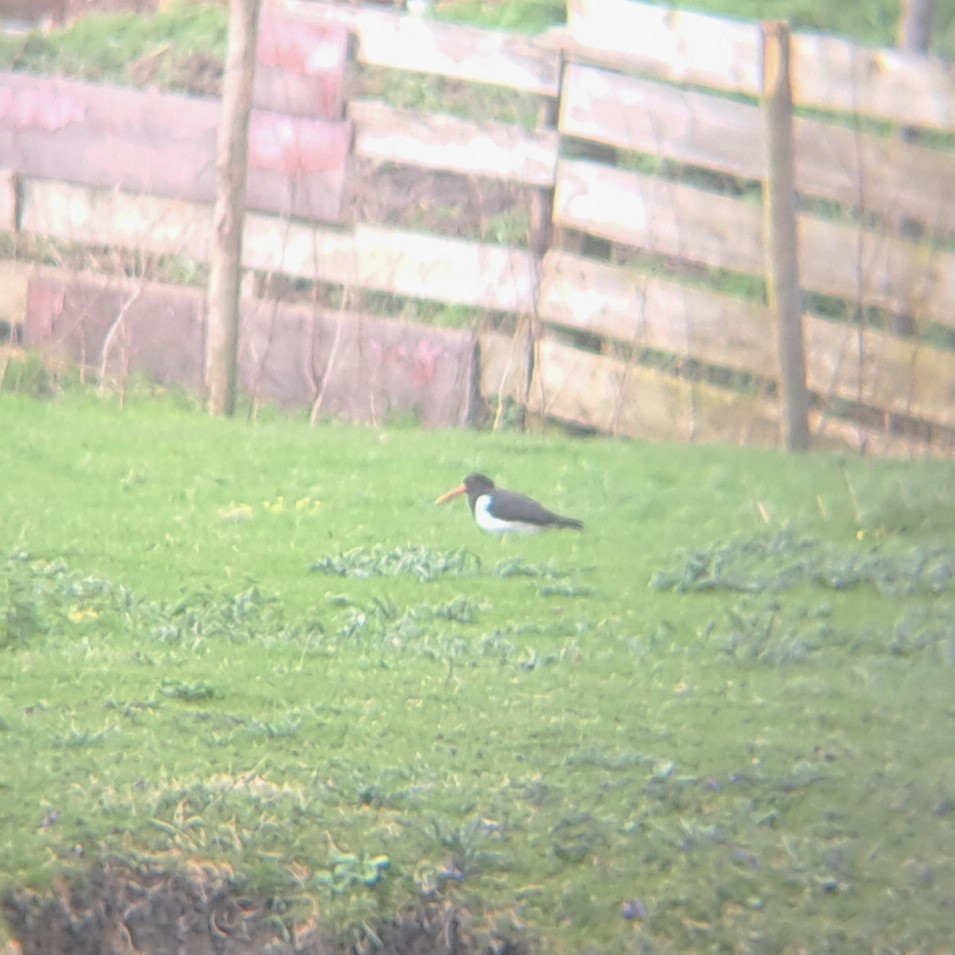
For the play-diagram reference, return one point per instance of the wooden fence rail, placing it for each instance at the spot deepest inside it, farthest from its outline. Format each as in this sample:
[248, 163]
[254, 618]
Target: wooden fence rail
[636, 149]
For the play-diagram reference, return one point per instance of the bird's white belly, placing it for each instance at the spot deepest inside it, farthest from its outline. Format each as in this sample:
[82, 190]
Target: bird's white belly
[493, 525]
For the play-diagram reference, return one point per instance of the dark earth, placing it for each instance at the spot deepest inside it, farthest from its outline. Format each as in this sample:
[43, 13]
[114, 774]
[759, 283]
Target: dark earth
[118, 907]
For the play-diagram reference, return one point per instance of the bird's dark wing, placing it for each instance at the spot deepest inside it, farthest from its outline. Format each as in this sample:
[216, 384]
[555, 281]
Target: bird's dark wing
[510, 506]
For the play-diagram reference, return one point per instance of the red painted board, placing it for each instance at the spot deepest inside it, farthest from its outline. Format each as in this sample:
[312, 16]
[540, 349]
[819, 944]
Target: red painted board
[301, 65]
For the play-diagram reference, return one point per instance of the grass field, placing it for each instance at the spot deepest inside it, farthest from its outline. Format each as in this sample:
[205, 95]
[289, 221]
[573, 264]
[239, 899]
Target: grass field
[719, 719]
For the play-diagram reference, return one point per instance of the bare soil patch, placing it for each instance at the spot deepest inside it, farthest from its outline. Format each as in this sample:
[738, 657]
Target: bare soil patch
[118, 908]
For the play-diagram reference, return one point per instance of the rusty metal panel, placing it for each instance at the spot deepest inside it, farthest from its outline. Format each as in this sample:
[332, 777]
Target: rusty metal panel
[117, 327]
[164, 145]
[356, 367]
[30, 11]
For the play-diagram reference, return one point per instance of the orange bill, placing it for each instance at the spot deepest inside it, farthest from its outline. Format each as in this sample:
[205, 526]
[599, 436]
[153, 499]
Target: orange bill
[460, 489]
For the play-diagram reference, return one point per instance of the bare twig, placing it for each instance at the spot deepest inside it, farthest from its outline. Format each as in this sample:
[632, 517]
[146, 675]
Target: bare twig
[114, 327]
[330, 361]
[634, 345]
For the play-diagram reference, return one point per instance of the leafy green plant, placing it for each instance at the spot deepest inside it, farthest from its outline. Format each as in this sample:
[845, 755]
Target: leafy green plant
[350, 870]
[29, 374]
[415, 561]
[22, 616]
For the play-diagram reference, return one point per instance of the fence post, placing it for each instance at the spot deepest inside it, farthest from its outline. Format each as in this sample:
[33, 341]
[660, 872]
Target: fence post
[228, 218]
[780, 234]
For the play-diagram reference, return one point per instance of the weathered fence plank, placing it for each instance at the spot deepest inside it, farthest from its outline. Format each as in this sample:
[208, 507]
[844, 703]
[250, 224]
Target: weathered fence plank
[400, 41]
[74, 213]
[704, 50]
[641, 115]
[617, 397]
[838, 433]
[504, 367]
[677, 45]
[611, 395]
[876, 174]
[457, 271]
[646, 311]
[881, 370]
[889, 84]
[163, 144]
[850, 166]
[842, 360]
[719, 231]
[658, 215]
[876, 267]
[439, 141]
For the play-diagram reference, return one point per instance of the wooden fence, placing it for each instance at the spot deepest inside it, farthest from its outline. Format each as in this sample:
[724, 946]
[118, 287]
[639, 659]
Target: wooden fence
[620, 287]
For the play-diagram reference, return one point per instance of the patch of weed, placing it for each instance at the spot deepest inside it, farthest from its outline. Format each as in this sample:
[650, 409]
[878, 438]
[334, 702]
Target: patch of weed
[416, 561]
[784, 561]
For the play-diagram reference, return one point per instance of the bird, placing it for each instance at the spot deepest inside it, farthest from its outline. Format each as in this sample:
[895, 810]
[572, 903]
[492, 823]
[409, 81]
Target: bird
[501, 512]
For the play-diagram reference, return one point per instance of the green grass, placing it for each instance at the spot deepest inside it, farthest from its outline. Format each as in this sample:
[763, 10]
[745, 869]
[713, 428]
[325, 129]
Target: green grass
[164, 49]
[126, 48]
[520, 16]
[871, 21]
[717, 720]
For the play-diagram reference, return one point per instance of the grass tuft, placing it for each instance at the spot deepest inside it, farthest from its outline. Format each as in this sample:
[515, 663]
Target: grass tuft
[415, 561]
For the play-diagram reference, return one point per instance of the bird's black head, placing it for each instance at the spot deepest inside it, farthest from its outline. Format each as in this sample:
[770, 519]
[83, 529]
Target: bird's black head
[474, 485]
[478, 484]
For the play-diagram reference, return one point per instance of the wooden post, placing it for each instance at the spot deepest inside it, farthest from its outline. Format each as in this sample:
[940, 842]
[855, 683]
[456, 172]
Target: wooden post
[540, 239]
[225, 264]
[779, 219]
[914, 35]
[915, 25]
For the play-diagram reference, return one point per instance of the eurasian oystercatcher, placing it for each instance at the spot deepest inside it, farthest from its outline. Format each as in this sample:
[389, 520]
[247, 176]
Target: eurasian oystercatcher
[500, 512]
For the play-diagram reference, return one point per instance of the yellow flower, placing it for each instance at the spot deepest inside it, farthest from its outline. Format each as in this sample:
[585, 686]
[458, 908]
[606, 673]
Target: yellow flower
[78, 615]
